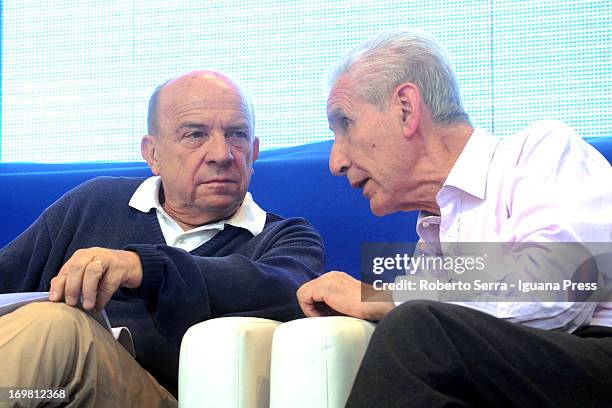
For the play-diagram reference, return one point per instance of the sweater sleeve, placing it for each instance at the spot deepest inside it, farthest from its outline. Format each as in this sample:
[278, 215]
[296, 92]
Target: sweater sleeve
[181, 289]
[24, 262]
[30, 261]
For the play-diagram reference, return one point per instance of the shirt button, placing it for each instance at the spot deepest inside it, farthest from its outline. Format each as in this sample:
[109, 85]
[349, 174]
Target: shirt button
[425, 224]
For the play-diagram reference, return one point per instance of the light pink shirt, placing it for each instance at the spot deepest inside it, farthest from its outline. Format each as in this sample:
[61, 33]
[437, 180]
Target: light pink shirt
[544, 184]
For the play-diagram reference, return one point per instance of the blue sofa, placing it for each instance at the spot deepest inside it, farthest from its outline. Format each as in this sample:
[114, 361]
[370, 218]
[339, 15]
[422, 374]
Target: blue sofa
[292, 181]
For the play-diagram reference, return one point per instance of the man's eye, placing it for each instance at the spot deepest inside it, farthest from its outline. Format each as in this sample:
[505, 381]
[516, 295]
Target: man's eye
[238, 134]
[194, 135]
[345, 123]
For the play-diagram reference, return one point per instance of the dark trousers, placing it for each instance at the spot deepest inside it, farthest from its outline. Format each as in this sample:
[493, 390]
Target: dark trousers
[430, 354]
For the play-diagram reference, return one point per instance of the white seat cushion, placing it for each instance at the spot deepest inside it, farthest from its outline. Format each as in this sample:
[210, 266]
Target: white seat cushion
[315, 361]
[225, 362]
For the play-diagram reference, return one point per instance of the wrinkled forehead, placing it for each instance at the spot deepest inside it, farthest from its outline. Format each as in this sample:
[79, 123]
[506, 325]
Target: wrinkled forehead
[202, 93]
[341, 96]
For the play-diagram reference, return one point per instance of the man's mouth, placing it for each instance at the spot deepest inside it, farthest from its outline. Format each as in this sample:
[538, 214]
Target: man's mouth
[220, 180]
[359, 184]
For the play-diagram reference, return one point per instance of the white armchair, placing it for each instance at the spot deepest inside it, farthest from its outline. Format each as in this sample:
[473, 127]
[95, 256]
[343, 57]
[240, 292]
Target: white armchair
[248, 362]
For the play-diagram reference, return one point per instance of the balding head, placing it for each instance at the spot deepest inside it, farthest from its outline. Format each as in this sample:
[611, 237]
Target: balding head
[195, 82]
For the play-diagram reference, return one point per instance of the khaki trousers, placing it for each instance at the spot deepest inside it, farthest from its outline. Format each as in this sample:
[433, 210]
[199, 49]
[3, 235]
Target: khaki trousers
[48, 344]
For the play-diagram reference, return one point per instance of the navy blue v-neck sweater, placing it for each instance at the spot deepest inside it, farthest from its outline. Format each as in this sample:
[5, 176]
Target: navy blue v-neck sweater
[233, 274]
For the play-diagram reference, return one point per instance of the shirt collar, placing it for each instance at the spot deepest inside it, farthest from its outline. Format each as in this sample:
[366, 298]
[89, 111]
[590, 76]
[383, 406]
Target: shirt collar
[248, 216]
[469, 172]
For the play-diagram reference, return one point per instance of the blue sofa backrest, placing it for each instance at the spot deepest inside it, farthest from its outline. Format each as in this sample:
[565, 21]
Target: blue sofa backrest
[290, 182]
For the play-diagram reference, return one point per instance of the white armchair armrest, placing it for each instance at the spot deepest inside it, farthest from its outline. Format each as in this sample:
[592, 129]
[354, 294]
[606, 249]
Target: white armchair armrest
[225, 362]
[315, 361]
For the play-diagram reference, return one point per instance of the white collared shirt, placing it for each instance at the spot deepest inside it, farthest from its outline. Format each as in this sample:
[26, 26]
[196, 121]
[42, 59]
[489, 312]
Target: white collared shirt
[248, 216]
[544, 184]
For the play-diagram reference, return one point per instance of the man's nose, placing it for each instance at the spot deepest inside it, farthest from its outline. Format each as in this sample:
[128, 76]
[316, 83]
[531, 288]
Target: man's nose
[219, 150]
[339, 163]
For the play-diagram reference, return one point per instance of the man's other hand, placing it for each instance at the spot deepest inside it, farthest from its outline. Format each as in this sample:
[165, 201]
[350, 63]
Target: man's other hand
[95, 274]
[341, 294]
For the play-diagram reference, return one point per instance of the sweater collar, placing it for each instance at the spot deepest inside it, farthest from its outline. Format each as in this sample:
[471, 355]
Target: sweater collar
[248, 216]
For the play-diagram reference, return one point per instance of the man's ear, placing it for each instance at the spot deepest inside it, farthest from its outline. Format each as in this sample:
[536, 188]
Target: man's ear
[408, 99]
[148, 147]
[255, 148]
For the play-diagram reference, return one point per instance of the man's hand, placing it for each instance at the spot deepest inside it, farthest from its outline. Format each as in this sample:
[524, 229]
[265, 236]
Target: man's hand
[96, 274]
[339, 293]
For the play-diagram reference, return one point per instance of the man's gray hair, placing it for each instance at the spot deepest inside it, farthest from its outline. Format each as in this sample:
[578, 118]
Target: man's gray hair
[401, 56]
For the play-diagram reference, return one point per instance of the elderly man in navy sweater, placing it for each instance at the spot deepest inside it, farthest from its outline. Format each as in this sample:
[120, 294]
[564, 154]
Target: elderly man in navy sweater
[159, 254]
